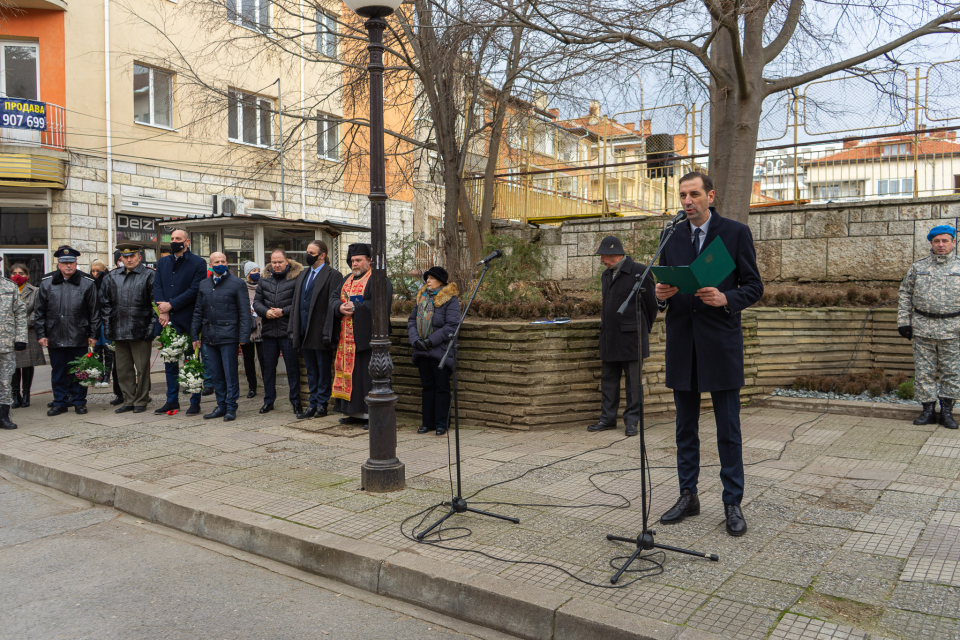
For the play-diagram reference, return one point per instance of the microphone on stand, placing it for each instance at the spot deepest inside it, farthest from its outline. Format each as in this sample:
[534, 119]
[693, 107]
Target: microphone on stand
[677, 219]
[497, 254]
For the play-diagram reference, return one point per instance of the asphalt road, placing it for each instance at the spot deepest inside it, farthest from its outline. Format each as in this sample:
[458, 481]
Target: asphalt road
[72, 570]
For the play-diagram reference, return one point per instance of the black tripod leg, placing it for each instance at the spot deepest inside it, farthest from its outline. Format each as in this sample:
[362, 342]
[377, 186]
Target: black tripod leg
[494, 515]
[626, 564]
[619, 539]
[712, 556]
[422, 534]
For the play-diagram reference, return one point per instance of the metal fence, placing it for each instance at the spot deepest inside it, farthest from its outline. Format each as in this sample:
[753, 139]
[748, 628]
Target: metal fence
[869, 135]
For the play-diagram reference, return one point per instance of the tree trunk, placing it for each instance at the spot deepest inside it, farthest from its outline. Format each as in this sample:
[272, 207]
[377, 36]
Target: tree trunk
[734, 128]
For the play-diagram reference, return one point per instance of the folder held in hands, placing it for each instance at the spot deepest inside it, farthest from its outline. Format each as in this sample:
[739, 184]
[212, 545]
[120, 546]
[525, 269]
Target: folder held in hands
[710, 268]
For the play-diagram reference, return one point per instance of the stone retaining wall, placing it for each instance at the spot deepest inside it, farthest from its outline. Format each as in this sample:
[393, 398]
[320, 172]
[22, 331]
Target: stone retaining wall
[841, 242]
[516, 375]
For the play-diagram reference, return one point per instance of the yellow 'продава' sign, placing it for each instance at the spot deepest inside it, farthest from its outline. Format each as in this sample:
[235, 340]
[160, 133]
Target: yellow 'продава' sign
[23, 114]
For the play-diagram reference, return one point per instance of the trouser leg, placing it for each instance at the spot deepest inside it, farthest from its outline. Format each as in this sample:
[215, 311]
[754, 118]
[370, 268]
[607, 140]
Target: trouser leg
[15, 383]
[726, 411]
[291, 363]
[631, 416]
[311, 358]
[231, 369]
[78, 392]
[59, 375]
[428, 392]
[688, 438]
[926, 361]
[8, 364]
[325, 387]
[271, 357]
[250, 364]
[140, 351]
[609, 391]
[213, 363]
[950, 369]
[126, 371]
[442, 398]
[172, 371]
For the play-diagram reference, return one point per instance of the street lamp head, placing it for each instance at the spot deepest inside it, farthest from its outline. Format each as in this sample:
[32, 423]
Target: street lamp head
[373, 8]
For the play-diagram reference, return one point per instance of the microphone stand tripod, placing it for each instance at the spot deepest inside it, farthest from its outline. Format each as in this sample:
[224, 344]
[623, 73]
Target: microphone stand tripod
[457, 504]
[645, 540]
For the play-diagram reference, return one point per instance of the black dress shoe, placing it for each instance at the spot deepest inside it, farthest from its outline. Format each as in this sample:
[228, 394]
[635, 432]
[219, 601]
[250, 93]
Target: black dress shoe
[423, 429]
[229, 417]
[252, 393]
[55, 411]
[82, 409]
[116, 401]
[194, 409]
[441, 431]
[50, 404]
[297, 407]
[124, 409]
[169, 406]
[320, 412]
[366, 425]
[207, 391]
[736, 525]
[601, 427]
[631, 430]
[139, 409]
[217, 413]
[309, 413]
[351, 420]
[687, 505]
[267, 407]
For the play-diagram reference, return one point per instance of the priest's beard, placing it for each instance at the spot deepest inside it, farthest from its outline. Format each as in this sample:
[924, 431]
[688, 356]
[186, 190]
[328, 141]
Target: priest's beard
[358, 273]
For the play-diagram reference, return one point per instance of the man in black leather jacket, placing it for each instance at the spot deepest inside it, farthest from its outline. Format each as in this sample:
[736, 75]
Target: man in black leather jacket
[67, 322]
[222, 321]
[126, 304]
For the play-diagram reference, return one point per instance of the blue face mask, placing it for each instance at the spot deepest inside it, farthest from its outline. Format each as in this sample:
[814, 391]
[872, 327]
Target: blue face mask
[219, 269]
[254, 277]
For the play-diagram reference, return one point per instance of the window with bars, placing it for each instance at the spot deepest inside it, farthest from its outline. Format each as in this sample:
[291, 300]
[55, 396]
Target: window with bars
[327, 34]
[252, 14]
[250, 119]
[328, 137]
[152, 96]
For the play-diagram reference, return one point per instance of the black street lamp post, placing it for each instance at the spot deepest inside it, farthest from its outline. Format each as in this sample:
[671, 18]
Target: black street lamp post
[383, 471]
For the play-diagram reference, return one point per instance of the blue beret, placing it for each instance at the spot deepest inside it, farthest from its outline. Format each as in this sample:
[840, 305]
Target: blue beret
[943, 228]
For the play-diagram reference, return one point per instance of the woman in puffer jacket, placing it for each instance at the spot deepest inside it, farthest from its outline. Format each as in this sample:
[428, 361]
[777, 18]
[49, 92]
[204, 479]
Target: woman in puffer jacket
[431, 326]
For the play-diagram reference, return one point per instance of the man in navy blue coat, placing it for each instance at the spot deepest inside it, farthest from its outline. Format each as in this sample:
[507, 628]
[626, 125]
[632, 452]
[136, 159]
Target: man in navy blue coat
[705, 347]
[175, 287]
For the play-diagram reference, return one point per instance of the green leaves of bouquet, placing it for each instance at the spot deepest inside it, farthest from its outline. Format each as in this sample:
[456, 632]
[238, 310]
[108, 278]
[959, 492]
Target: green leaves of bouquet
[87, 369]
[173, 344]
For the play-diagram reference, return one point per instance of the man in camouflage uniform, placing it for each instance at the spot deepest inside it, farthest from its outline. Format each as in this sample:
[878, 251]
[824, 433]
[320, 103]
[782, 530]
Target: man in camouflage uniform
[929, 314]
[13, 337]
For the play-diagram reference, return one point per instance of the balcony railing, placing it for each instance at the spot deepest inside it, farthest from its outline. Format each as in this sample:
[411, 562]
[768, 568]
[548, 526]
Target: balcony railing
[54, 136]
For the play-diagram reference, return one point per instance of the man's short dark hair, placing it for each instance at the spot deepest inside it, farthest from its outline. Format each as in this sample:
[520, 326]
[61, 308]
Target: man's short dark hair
[280, 251]
[322, 248]
[693, 175]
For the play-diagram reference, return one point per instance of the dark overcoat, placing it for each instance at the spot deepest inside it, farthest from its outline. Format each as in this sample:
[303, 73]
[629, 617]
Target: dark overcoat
[222, 313]
[325, 286]
[177, 281]
[446, 317]
[619, 335]
[715, 331]
[362, 316]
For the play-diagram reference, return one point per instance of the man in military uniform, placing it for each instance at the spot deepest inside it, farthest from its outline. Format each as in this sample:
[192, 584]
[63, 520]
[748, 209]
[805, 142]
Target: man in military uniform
[929, 314]
[67, 322]
[13, 337]
[126, 298]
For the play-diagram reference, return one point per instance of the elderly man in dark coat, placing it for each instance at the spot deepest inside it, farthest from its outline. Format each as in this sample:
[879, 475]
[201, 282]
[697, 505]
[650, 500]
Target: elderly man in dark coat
[316, 285]
[351, 317]
[127, 308]
[67, 320]
[621, 337]
[175, 287]
[705, 347]
[222, 321]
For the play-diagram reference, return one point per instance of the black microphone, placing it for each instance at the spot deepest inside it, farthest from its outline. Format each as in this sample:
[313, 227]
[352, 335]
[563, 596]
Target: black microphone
[492, 256]
[680, 217]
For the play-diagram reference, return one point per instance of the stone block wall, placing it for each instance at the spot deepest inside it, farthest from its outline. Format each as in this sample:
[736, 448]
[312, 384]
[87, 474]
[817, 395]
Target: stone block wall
[516, 375]
[850, 241]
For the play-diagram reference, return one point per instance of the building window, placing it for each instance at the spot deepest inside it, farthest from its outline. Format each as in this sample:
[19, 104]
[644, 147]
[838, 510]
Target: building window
[250, 119]
[895, 186]
[895, 149]
[20, 73]
[252, 14]
[846, 189]
[328, 137]
[152, 96]
[327, 34]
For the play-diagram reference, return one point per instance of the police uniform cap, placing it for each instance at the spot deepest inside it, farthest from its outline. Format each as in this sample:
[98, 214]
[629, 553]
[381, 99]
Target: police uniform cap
[66, 253]
[610, 246]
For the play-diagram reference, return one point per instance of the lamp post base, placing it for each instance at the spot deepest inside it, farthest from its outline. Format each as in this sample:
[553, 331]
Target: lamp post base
[383, 477]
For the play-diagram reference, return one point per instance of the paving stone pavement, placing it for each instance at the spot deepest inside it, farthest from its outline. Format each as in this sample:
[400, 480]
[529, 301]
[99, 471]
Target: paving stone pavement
[854, 527]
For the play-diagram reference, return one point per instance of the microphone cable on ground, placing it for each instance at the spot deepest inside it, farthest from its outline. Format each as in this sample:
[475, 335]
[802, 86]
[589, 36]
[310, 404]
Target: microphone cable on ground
[656, 558]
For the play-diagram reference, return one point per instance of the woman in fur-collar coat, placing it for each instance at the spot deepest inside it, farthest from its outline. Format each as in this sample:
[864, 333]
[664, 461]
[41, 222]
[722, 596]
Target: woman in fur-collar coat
[431, 326]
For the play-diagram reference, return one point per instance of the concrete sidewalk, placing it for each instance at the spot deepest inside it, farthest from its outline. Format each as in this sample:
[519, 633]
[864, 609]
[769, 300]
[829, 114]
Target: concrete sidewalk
[854, 530]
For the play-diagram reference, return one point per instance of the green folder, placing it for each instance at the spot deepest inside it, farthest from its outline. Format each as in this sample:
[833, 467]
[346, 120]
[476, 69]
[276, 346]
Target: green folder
[710, 268]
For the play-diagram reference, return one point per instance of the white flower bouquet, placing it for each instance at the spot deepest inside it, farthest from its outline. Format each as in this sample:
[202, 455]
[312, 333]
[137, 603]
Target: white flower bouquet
[191, 374]
[173, 345]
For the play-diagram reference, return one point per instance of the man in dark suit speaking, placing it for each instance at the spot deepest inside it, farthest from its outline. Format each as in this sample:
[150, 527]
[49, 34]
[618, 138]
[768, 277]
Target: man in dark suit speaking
[705, 347]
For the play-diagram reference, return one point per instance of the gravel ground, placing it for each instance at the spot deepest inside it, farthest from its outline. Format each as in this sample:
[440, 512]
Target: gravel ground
[863, 397]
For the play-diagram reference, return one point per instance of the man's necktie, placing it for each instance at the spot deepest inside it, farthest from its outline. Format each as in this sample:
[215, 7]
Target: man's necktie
[216, 281]
[313, 274]
[696, 240]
